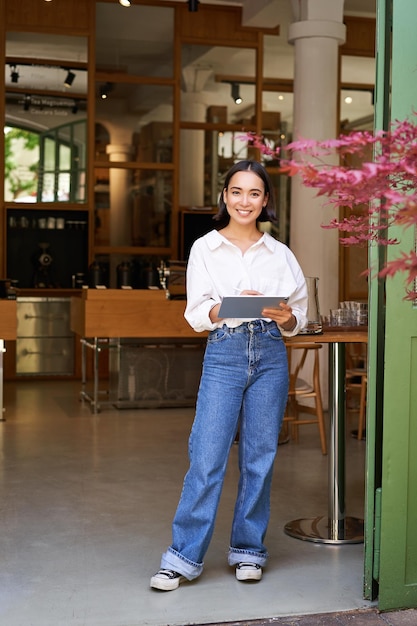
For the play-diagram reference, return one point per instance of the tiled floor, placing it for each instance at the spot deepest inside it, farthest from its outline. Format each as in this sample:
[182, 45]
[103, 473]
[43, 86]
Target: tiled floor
[86, 507]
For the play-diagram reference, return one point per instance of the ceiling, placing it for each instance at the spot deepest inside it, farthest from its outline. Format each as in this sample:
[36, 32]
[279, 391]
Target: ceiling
[140, 38]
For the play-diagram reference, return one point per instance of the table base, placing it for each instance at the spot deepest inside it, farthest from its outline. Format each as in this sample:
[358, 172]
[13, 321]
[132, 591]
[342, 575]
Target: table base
[318, 530]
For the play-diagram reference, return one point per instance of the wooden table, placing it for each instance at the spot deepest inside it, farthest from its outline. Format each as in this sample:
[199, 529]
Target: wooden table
[8, 331]
[99, 315]
[335, 528]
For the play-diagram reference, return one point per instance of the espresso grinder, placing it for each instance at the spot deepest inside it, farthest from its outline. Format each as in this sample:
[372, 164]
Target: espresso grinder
[43, 261]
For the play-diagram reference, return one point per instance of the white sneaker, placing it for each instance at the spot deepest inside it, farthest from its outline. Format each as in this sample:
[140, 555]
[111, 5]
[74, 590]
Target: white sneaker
[248, 571]
[166, 580]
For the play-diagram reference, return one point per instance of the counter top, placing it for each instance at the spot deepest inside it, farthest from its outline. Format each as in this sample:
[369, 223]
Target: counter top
[140, 313]
[333, 335]
[46, 293]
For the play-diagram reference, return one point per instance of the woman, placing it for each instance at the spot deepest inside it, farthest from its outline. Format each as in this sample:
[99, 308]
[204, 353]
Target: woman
[244, 379]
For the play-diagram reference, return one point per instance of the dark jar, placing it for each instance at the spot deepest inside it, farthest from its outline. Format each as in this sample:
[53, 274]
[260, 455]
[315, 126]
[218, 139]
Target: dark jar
[124, 275]
[95, 275]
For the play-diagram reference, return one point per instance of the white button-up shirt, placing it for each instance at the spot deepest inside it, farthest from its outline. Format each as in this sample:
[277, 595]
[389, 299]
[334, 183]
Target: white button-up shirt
[217, 268]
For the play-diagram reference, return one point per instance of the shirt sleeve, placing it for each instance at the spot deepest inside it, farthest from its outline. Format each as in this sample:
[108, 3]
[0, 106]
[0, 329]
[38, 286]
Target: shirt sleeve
[202, 294]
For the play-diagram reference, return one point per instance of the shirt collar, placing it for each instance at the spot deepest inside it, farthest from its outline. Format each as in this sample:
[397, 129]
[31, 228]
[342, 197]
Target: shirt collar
[215, 240]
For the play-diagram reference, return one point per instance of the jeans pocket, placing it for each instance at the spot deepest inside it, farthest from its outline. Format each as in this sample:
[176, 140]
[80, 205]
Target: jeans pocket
[216, 335]
[274, 332]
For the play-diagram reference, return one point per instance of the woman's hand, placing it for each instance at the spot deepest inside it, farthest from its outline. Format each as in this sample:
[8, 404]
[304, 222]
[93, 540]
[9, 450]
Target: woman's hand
[282, 316]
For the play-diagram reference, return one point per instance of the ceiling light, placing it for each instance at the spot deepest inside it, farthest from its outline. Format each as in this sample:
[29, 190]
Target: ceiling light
[105, 90]
[193, 5]
[125, 3]
[236, 93]
[348, 99]
[14, 74]
[69, 79]
[26, 103]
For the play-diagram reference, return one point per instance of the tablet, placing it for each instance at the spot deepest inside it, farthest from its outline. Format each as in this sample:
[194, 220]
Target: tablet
[248, 306]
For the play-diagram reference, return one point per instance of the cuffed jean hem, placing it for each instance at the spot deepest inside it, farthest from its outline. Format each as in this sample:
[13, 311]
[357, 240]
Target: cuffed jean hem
[238, 556]
[171, 559]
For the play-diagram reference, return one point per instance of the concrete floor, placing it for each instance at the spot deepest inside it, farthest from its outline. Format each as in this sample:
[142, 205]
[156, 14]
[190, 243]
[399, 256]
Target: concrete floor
[86, 508]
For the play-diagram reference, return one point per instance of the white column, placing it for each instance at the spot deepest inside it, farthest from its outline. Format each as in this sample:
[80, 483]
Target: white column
[120, 203]
[120, 225]
[191, 179]
[316, 34]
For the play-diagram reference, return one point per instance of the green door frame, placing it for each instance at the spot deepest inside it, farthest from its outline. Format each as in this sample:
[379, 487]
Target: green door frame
[376, 334]
[391, 545]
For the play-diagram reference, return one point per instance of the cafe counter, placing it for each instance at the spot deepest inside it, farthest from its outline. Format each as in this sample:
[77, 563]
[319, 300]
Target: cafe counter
[154, 356]
[8, 329]
[141, 313]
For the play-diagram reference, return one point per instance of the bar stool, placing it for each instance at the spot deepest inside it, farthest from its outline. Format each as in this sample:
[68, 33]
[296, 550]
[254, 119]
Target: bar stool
[357, 380]
[300, 390]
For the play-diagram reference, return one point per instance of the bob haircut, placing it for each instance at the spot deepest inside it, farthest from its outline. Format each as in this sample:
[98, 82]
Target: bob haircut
[268, 212]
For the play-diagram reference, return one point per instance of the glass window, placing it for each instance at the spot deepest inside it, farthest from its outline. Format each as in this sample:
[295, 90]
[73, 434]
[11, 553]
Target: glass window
[133, 208]
[213, 75]
[62, 169]
[125, 43]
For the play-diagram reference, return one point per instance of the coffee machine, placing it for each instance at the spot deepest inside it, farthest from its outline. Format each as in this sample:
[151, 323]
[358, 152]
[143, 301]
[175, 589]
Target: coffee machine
[43, 261]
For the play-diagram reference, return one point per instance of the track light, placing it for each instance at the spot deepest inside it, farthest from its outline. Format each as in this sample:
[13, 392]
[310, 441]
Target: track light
[193, 5]
[69, 79]
[105, 90]
[236, 93]
[27, 102]
[125, 3]
[14, 74]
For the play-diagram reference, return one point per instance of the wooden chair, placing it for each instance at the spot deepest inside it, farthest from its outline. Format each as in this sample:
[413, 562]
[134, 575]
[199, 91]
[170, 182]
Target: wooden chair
[356, 381]
[300, 390]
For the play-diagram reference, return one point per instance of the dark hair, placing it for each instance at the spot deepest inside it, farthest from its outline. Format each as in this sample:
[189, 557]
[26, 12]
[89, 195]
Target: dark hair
[268, 212]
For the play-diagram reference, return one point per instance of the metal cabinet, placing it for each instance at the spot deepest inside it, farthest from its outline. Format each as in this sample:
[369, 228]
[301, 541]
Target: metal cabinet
[45, 342]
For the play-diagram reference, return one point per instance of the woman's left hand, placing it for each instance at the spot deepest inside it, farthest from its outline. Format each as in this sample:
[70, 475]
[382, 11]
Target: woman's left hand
[282, 316]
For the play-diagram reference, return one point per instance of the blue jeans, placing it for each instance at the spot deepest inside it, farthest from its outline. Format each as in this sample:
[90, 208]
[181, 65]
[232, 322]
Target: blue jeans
[245, 381]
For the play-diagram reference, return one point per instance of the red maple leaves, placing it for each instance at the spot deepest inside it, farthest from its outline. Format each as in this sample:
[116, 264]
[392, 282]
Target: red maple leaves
[374, 185]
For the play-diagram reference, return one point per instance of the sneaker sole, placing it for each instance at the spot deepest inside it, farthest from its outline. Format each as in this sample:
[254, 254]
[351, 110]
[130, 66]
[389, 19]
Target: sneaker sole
[166, 585]
[243, 575]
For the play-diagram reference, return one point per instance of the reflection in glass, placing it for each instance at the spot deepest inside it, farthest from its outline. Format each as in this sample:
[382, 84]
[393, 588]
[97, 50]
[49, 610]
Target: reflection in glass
[125, 41]
[134, 208]
[62, 164]
[46, 46]
[138, 106]
[206, 74]
[45, 122]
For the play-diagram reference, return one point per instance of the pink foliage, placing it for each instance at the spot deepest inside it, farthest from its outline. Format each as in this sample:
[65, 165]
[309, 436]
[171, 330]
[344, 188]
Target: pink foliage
[378, 194]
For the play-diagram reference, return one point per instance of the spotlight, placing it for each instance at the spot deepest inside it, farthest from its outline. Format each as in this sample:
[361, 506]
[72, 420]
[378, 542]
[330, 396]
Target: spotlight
[236, 93]
[105, 90]
[193, 5]
[125, 3]
[69, 79]
[14, 74]
[74, 108]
